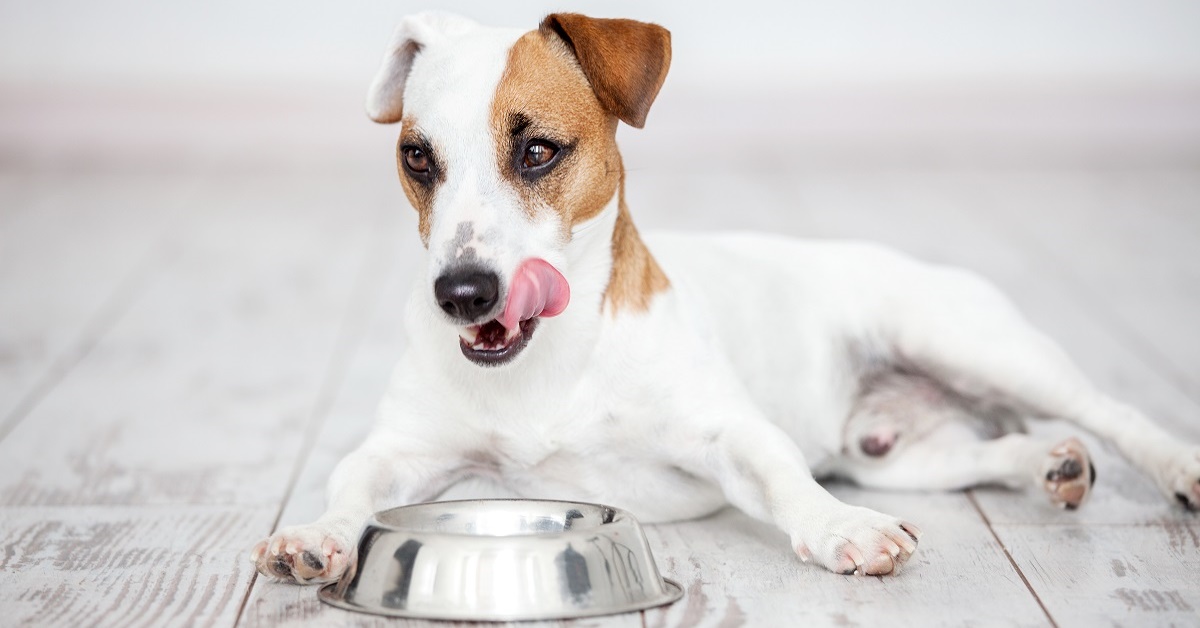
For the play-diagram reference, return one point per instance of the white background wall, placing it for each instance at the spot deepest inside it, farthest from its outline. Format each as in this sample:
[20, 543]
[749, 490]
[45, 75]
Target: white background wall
[848, 82]
[748, 42]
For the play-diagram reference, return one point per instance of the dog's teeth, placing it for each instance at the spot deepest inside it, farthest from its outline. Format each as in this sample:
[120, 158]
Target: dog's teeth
[511, 334]
[469, 335]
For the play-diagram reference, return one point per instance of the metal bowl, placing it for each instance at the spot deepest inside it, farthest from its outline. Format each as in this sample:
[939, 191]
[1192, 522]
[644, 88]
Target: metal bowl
[502, 560]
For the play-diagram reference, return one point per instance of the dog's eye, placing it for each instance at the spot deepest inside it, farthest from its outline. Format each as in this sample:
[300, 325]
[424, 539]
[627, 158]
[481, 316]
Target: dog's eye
[538, 153]
[416, 160]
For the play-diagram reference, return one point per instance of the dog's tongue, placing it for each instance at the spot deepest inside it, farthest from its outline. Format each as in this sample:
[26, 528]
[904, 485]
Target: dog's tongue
[538, 289]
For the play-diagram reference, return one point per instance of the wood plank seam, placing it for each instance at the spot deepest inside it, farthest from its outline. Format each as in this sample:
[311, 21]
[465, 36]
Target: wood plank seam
[987, 522]
[364, 299]
[106, 316]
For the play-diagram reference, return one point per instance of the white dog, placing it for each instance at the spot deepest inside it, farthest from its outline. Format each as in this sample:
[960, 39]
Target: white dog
[718, 369]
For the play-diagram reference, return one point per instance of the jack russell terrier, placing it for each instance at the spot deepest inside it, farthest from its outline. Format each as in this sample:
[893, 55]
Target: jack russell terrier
[717, 369]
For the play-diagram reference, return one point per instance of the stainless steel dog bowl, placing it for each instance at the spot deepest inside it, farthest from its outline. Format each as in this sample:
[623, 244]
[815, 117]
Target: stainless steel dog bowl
[502, 560]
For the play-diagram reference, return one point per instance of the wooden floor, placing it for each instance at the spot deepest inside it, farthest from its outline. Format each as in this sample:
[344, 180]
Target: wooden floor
[186, 350]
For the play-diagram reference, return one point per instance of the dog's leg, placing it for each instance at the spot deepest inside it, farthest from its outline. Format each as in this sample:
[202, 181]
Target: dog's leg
[907, 432]
[954, 457]
[382, 472]
[966, 334]
[763, 472]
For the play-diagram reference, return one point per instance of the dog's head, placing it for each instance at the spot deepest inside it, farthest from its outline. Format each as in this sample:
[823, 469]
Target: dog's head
[507, 145]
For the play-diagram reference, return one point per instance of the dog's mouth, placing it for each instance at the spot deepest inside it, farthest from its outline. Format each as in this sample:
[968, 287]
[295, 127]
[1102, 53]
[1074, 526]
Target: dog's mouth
[491, 344]
[537, 290]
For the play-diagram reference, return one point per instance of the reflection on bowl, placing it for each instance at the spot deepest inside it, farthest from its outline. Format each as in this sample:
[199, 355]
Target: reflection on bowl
[502, 560]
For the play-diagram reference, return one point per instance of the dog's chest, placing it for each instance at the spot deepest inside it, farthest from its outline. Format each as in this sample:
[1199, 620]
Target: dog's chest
[542, 447]
[601, 460]
[516, 451]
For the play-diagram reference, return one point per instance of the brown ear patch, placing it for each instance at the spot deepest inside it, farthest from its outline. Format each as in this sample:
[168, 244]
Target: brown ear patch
[544, 95]
[625, 61]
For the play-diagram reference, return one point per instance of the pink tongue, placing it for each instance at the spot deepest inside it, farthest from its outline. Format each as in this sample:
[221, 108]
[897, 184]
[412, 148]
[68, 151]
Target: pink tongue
[538, 289]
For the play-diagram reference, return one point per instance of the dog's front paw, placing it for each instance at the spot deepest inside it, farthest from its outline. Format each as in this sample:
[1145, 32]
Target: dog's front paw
[1179, 477]
[303, 554]
[859, 541]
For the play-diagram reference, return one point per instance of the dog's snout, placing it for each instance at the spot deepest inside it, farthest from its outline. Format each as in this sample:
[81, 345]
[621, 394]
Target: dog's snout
[467, 294]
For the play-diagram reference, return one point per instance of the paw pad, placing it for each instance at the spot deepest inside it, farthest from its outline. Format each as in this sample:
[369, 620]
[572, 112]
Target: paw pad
[1069, 474]
[301, 554]
[312, 561]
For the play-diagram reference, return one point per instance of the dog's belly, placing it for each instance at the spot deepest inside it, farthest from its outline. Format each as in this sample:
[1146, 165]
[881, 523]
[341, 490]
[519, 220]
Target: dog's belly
[785, 313]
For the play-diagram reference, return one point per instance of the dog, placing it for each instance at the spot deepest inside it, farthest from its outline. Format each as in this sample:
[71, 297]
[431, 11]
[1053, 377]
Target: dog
[555, 349]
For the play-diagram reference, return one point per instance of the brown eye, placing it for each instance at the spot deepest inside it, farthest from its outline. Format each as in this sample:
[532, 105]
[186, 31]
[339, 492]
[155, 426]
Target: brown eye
[538, 153]
[416, 160]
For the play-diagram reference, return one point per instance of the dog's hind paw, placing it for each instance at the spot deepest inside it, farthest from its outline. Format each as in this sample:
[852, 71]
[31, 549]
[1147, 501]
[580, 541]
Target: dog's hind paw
[1179, 477]
[303, 554]
[859, 541]
[1068, 474]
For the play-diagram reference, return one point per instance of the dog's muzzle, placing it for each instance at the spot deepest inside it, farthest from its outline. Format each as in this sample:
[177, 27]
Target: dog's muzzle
[537, 290]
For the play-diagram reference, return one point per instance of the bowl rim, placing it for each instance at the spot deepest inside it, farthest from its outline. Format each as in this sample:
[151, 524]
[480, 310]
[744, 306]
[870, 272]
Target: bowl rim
[618, 513]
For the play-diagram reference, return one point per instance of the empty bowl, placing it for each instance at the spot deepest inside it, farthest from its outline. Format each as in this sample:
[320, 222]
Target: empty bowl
[502, 560]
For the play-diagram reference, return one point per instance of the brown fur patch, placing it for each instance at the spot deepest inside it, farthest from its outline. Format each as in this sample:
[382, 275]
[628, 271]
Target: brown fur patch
[543, 89]
[636, 276]
[545, 94]
[625, 61]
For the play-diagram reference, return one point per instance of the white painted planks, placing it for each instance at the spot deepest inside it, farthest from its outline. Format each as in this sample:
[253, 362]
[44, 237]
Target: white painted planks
[1102, 575]
[124, 566]
[196, 401]
[73, 250]
[737, 571]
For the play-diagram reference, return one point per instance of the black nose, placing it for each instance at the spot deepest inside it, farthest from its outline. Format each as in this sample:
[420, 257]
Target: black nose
[467, 294]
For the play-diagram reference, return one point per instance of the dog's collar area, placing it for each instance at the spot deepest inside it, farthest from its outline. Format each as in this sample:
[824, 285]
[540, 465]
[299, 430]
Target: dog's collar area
[491, 344]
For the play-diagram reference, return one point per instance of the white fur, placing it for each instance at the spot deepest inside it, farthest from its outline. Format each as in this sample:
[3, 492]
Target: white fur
[734, 387]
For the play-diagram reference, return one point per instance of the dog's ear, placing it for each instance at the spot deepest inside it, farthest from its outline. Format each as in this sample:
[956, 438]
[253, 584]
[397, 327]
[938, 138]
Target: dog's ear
[625, 61]
[385, 99]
